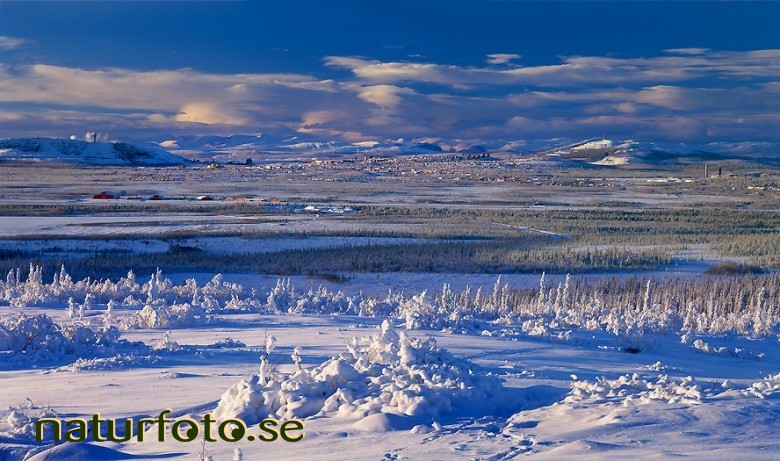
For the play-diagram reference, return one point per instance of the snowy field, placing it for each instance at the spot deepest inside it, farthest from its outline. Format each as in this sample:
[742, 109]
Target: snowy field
[555, 375]
[639, 354]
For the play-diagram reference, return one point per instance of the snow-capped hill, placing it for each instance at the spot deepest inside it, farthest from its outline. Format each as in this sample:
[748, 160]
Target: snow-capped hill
[666, 152]
[605, 152]
[96, 153]
[597, 144]
[312, 146]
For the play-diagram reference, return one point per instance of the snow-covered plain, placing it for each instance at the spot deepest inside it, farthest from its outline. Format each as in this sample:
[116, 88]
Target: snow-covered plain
[594, 366]
[554, 379]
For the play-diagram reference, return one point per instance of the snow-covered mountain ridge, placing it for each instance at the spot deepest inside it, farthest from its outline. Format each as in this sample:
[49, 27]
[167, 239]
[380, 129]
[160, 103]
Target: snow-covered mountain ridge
[93, 153]
[595, 150]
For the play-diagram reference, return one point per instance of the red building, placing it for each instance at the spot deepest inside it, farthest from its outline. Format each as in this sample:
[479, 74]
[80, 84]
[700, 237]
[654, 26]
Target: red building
[104, 196]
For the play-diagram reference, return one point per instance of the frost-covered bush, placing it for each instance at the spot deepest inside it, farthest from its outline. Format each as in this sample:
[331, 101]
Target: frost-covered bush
[323, 301]
[632, 310]
[385, 373]
[227, 343]
[213, 296]
[374, 307]
[282, 297]
[167, 316]
[458, 312]
[724, 351]
[166, 344]
[631, 389]
[39, 338]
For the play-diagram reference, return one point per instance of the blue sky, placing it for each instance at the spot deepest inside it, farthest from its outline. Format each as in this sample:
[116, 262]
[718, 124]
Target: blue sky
[372, 70]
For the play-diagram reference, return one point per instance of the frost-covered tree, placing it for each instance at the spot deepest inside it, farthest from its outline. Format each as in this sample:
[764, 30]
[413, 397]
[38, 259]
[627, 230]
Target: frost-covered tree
[296, 357]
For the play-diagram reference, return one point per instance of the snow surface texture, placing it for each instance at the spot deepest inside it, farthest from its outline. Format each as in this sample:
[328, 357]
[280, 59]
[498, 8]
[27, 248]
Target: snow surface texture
[384, 373]
[94, 153]
[653, 378]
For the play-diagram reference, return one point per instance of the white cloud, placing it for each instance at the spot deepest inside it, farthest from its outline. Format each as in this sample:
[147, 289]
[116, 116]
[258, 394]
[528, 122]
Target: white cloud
[394, 72]
[385, 96]
[320, 117]
[165, 90]
[209, 113]
[327, 123]
[688, 51]
[627, 108]
[575, 71]
[11, 43]
[502, 58]
[525, 124]
[679, 94]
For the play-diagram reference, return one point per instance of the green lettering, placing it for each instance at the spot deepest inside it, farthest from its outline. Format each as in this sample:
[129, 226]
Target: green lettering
[236, 434]
[191, 433]
[140, 429]
[161, 420]
[56, 426]
[291, 425]
[80, 429]
[96, 428]
[111, 430]
[207, 420]
[270, 430]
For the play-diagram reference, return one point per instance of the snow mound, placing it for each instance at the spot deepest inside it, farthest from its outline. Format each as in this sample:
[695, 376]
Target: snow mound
[386, 373]
[79, 452]
[18, 422]
[765, 388]
[96, 153]
[631, 389]
[116, 362]
[384, 422]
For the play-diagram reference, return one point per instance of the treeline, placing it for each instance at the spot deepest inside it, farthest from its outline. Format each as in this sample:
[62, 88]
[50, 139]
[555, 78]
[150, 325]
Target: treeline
[730, 232]
[491, 256]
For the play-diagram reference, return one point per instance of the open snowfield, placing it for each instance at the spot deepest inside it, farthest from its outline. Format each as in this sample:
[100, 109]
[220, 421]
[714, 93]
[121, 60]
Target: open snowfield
[544, 385]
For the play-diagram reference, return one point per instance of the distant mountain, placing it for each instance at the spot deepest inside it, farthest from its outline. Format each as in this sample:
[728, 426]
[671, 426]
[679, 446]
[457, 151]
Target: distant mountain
[92, 153]
[597, 151]
[756, 151]
[605, 152]
[262, 146]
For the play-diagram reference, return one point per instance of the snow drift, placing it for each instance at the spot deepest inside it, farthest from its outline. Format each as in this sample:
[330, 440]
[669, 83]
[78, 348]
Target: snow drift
[388, 373]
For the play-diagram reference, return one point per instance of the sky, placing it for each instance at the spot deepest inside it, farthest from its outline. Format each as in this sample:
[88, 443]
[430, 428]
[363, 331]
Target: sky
[354, 71]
